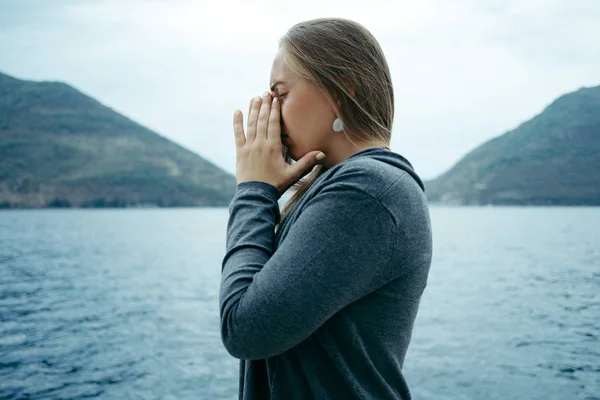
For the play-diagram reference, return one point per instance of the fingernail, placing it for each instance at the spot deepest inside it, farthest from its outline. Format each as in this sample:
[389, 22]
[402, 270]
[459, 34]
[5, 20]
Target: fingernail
[237, 112]
[320, 156]
[257, 99]
[275, 100]
[266, 94]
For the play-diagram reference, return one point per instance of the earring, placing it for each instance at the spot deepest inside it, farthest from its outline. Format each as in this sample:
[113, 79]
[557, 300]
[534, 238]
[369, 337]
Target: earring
[338, 125]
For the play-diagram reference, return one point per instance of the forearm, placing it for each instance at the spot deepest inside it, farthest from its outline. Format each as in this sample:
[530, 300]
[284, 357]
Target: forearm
[253, 214]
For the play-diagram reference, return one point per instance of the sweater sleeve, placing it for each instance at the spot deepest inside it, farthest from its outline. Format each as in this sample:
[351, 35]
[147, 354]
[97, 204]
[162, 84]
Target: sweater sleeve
[337, 251]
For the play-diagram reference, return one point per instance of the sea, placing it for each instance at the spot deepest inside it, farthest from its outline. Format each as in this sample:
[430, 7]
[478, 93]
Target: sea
[123, 304]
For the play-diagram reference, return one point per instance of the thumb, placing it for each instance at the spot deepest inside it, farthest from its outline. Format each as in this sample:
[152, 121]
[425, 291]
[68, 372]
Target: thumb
[304, 165]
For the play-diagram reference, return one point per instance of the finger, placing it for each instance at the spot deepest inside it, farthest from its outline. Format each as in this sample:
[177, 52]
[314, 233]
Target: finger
[238, 129]
[263, 117]
[305, 165]
[252, 119]
[274, 131]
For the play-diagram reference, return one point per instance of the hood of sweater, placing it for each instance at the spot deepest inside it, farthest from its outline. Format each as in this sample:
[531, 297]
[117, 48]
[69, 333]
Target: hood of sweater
[391, 158]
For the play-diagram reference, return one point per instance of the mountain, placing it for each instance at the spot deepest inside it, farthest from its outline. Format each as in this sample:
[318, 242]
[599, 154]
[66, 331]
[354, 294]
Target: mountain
[552, 159]
[61, 148]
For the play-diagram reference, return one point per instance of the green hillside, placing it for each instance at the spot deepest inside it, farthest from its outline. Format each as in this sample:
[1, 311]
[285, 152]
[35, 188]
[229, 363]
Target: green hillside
[61, 148]
[552, 159]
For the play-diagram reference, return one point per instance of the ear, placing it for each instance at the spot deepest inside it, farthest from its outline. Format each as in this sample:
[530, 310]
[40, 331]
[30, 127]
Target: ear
[350, 91]
[350, 87]
[338, 102]
[350, 84]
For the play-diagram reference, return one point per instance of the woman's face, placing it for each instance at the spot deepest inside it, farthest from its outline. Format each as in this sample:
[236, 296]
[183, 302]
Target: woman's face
[306, 114]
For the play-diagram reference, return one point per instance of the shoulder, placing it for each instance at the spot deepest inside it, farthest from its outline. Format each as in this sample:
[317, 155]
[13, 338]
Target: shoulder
[364, 174]
[389, 187]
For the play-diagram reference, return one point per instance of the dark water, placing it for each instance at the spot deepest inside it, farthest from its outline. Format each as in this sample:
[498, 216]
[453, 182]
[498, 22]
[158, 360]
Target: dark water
[123, 304]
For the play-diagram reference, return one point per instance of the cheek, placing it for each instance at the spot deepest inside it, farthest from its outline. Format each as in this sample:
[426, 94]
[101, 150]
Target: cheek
[289, 118]
[306, 118]
[296, 117]
[287, 110]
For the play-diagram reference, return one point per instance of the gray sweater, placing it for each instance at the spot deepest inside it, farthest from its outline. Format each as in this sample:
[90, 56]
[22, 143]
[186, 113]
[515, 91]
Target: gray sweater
[323, 306]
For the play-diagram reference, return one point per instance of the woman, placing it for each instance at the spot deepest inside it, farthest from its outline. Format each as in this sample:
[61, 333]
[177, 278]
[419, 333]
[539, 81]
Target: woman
[320, 302]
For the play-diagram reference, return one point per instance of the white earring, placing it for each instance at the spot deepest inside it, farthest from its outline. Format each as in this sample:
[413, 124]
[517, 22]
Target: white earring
[338, 125]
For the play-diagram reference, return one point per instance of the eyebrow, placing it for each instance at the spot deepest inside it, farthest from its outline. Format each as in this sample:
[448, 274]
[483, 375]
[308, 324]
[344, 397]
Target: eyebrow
[275, 84]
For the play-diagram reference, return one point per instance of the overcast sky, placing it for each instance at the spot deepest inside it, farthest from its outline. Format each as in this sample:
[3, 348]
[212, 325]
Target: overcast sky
[463, 71]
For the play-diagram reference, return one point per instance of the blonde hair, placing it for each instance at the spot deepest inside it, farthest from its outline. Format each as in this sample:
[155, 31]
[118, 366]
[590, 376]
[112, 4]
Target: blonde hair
[345, 61]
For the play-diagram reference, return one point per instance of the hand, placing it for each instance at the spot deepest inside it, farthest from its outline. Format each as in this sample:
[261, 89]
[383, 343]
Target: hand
[259, 154]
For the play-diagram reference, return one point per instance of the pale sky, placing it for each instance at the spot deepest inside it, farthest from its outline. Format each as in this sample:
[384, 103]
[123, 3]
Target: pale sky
[463, 71]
